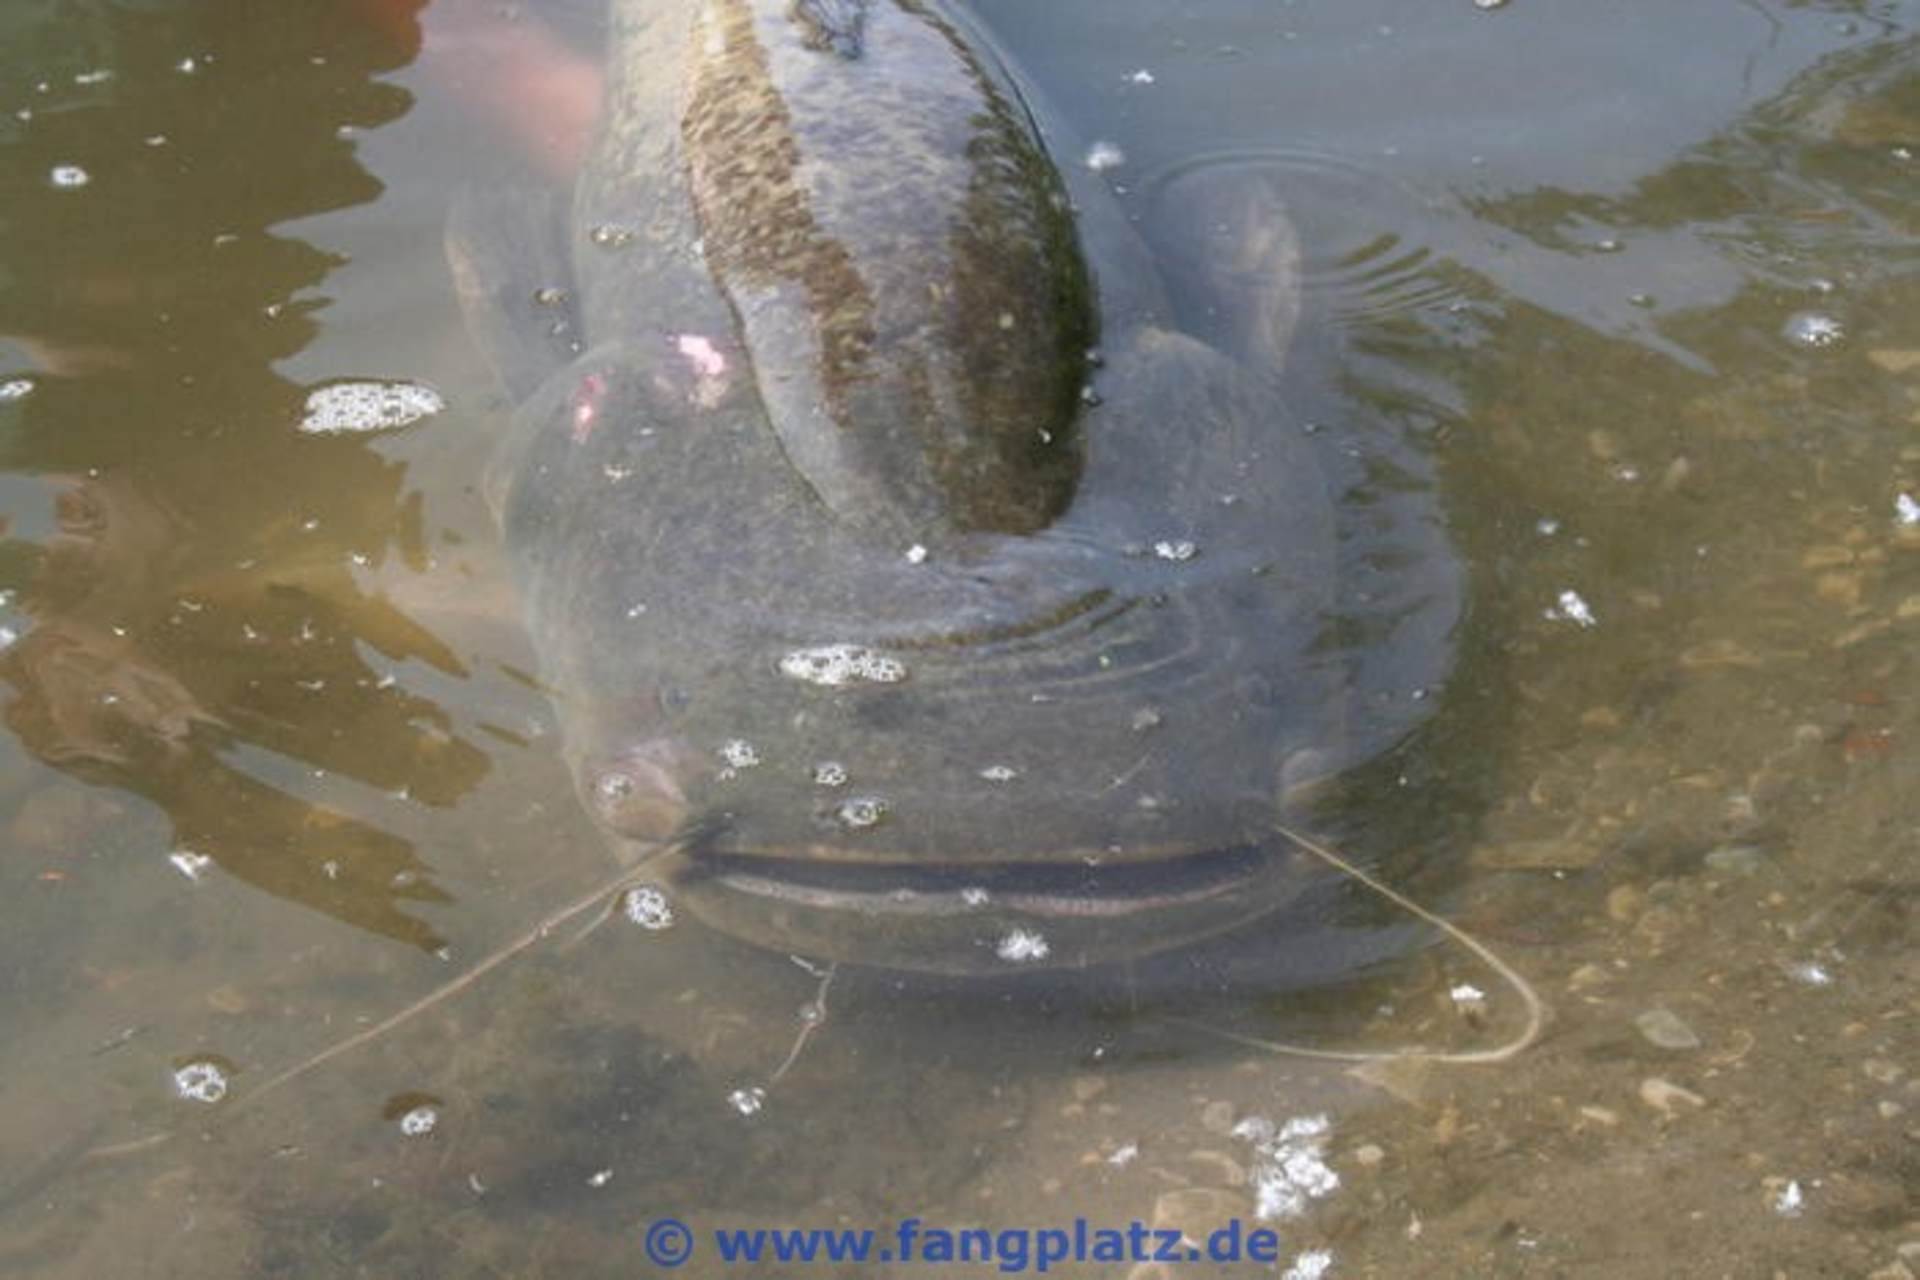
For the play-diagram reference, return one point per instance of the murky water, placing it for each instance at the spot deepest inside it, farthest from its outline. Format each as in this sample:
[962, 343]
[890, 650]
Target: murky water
[1639, 278]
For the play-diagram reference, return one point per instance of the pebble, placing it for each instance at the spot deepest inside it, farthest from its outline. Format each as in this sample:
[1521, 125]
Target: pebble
[1839, 588]
[1894, 361]
[1601, 1115]
[1738, 859]
[1664, 1095]
[1624, 903]
[1368, 1154]
[1827, 556]
[1587, 975]
[1232, 1172]
[1664, 1028]
[1197, 1212]
[1087, 1088]
[1882, 1071]
[1536, 855]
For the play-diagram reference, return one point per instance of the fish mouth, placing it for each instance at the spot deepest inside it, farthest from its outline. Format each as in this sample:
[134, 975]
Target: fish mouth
[986, 919]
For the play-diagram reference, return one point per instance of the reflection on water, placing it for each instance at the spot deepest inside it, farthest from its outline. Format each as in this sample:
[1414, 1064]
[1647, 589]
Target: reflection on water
[1639, 278]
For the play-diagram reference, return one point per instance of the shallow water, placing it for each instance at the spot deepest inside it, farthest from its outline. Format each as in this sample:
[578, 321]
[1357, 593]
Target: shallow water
[1638, 278]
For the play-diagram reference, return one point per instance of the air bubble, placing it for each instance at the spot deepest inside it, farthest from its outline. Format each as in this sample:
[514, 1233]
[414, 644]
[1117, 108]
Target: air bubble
[830, 773]
[611, 235]
[1813, 329]
[863, 811]
[1023, 946]
[201, 1080]
[418, 1122]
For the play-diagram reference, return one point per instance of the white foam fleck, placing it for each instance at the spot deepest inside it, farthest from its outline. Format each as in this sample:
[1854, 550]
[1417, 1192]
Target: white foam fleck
[1315, 1263]
[68, 176]
[739, 754]
[916, 554]
[1466, 994]
[999, 773]
[648, 907]
[419, 1121]
[599, 1178]
[1810, 973]
[1289, 1168]
[340, 408]
[835, 665]
[1569, 606]
[1102, 156]
[1906, 509]
[748, 1101]
[1141, 76]
[1177, 550]
[975, 895]
[830, 773]
[863, 811]
[1814, 329]
[15, 388]
[190, 864]
[1125, 1156]
[1023, 946]
[1790, 1200]
[201, 1080]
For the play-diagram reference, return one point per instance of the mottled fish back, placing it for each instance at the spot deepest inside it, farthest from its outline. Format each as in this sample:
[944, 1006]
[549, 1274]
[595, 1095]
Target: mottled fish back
[898, 251]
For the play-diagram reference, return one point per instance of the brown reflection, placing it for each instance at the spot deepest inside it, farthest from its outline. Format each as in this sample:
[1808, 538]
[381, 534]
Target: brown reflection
[202, 628]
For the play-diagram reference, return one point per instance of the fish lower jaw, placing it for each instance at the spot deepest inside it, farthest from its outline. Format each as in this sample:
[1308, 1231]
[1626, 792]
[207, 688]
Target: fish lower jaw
[986, 920]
